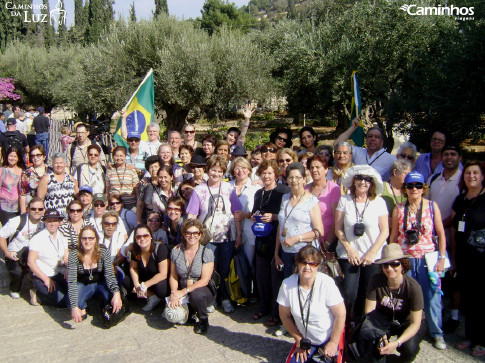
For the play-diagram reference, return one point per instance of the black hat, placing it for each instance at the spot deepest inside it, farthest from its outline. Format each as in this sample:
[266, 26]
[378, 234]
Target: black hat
[52, 214]
[11, 121]
[197, 160]
[239, 151]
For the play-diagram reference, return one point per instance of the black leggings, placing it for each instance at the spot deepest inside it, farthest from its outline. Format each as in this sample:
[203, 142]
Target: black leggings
[200, 299]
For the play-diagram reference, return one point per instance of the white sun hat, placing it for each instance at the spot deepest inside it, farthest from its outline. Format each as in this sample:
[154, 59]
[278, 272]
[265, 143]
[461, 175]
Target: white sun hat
[366, 170]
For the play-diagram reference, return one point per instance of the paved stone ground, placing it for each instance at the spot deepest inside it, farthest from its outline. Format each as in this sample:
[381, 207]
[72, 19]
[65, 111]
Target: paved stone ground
[41, 334]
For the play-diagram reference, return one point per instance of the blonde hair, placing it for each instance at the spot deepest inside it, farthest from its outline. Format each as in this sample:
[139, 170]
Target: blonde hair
[65, 130]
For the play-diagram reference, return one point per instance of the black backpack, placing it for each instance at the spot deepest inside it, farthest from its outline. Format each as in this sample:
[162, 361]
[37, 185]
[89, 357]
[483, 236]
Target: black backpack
[12, 139]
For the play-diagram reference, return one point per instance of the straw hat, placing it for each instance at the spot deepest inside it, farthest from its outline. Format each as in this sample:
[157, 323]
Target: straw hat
[391, 252]
[366, 170]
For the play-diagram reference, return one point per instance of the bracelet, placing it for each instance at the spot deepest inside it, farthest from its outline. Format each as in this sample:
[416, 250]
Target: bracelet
[441, 257]
[398, 343]
[300, 238]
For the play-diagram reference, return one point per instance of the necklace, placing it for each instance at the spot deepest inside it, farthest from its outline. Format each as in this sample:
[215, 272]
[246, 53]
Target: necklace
[321, 191]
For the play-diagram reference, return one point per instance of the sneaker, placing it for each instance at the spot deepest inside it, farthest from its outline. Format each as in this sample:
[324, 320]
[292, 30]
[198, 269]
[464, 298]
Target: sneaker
[14, 295]
[227, 306]
[33, 297]
[439, 343]
[211, 309]
[152, 301]
[281, 331]
[450, 326]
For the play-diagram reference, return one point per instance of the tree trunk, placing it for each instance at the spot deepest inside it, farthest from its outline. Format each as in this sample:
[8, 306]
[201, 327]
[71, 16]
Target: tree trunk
[342, 122]
[175, 117]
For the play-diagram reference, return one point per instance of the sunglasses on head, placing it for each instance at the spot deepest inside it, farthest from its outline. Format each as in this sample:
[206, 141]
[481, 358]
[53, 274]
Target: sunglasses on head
[414, 185]
[368, 179]
[270, 150]
[393, 264]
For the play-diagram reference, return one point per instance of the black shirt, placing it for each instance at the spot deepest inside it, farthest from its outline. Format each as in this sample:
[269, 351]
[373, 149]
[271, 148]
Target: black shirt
[41, 124]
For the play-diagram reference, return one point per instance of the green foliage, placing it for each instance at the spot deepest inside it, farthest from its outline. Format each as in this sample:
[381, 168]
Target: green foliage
[218, 13]
[161, 7]
[132, 13]
[100, 17]
[254, 139]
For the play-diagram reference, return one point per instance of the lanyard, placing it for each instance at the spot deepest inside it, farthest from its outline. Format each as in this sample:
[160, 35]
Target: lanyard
[419, 214]
[473, 200]
[214, 203]
[263, 203]
[56, 246]
[373, 161]
[302, 306]
[120, 180]
[394, 195]
[360, 216]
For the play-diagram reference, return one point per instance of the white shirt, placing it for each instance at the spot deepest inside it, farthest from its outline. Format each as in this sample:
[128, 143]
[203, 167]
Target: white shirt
[373, 211]
[97, 224]
[51, 251]
[24, 235]
[114, 244]
[444, 192]
[325, 295]
[381, 160]
[247, 201]
[151, 148]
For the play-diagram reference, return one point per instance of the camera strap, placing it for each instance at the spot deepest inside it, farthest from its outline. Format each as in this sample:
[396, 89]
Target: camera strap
[360, 216]
[419, 214]
[302, 306]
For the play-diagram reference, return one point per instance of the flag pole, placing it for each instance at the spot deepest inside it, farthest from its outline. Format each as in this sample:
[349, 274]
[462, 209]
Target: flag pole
[139, 86]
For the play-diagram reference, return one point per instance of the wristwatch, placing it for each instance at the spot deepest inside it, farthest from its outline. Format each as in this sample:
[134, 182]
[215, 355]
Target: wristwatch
[441, 257]
[187, 290]
[398, 343]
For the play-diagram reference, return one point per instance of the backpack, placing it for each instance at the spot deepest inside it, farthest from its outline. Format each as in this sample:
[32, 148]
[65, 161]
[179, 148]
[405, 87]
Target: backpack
[12, 139]
[233, 285]
[73, 149]
[23, 220]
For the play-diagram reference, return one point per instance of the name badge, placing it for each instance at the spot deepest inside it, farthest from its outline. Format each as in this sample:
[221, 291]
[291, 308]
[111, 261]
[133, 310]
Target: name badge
[461, 226]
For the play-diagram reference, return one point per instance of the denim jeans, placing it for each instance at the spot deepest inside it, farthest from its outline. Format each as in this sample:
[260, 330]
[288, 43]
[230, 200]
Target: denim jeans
[223, 254]
[55, 298]
[87, 291]
[432, 300]
[289, 261]
[313, 352]
[43, 139]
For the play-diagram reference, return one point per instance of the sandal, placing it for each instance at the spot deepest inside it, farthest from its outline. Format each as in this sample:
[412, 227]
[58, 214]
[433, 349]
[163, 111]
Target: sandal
[478, 351]
[258, 315]
[465, 344]
[273, 321]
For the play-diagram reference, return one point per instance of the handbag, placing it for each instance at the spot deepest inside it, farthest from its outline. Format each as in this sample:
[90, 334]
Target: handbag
[477, 240]
[215, 279]
[330, 265]
[110, 319]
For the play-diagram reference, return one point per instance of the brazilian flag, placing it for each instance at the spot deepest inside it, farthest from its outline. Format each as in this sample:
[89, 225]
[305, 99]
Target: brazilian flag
[141, 111]
[358, 135]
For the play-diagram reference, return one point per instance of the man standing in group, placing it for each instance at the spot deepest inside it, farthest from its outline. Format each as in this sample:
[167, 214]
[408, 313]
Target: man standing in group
[13, 138]
[77, 153]
[375, 154]
[41, 126]
[175, 140]
[153, 132]
[430, 163]
[19, 230]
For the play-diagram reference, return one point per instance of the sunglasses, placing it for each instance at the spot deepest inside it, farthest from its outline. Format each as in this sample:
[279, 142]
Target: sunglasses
[285, 160]
[323, 154]
[281, 138]
[115, 203]
[36, 209]
[93, 155]
[368, 179]
[110, 224]
[414, 185]
[409, 157]
[189, 132]
[393, 264]
[170, 209]
[435, 139]
[309, 263]
[268, 150]
[140, 236]
[75, 210]
[90, 239]
[99, 205]
[36, 155]
[154, 220]
[192, 234]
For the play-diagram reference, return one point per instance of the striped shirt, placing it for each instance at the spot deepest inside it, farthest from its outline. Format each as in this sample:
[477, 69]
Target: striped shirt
[75, 269]
[121, 181]
[204, 255]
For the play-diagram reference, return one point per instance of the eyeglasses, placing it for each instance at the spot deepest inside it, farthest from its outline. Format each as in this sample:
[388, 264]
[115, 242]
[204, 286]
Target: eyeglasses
[93, 155]
[110, 224]
[192, 234]
[170, 209]
[268, 150]
[90, 239]
[414, 185]
[285, 160]
[281, 138]
[291, 178]
[99, 205]
[115, 203]
[368, 179]
[133, 139]
[409, 157]
[33, 156]
[75, 210]
[393, 264]
[435, 139]
[36, 209]
[189, 131]
[154, 220]
[140, 236]
[309, 263]
[323, 154]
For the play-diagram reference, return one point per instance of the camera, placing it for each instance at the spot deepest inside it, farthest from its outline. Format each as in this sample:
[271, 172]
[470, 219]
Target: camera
[305, 344]
[359, 229]
[412, 237]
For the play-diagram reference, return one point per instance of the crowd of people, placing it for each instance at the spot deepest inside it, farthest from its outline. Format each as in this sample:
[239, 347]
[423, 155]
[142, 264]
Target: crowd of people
[155, 220]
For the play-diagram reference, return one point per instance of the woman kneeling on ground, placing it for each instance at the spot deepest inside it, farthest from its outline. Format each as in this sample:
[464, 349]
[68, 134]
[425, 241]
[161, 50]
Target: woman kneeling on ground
[90, 272]
[190, 272]
[311, 309]
[395, 303]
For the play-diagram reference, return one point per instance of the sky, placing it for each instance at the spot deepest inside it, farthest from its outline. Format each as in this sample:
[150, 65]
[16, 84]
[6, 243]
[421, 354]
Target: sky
[182, 9]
